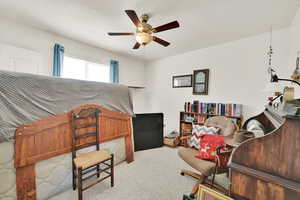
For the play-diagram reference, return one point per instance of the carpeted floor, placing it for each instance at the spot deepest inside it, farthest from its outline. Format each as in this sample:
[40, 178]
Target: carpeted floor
[154, 175]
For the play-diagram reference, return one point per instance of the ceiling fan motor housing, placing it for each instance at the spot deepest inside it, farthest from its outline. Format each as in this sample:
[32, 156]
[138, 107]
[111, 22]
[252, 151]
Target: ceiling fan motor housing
[145, 18]
[143, 27]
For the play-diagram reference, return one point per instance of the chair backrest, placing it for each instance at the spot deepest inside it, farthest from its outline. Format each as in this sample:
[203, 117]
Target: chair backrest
[85, 129]
[226, 125]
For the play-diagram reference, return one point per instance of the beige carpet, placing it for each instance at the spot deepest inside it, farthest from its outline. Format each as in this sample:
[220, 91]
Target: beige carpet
[154, 175]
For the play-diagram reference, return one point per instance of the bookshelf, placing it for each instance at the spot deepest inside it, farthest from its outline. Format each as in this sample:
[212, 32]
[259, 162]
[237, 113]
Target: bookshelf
[187, 119]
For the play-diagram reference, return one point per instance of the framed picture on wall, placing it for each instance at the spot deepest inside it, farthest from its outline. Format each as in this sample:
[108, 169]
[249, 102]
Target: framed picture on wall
[205, 193]
[182, 81]
[200, 82]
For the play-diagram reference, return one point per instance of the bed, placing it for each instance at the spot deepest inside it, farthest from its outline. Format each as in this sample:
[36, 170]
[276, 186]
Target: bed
[35, 137]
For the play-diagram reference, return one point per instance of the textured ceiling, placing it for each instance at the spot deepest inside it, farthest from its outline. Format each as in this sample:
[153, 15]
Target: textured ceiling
[203, 22]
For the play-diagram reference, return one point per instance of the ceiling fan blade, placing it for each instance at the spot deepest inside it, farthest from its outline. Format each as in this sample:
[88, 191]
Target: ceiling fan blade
[167, 26]
[134, 18]
[136, 46]
[160, 41]
[118, 34]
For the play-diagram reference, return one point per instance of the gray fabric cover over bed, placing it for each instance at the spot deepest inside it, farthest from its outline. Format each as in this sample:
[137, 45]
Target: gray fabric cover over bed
[26, 98]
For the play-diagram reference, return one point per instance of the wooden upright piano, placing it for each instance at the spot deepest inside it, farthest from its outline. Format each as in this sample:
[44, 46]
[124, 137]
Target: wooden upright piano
[268, 168]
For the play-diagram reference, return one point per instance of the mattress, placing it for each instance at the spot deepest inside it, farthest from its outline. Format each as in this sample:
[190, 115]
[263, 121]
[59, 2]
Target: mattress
[25, 98]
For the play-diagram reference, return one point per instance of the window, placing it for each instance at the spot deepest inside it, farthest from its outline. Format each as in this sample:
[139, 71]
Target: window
[80, 69]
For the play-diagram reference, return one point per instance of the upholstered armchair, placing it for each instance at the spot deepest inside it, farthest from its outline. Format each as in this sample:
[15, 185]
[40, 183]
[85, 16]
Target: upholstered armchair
[205, 167]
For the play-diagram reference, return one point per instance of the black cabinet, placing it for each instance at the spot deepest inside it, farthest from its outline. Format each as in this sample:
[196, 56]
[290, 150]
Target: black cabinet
[148, 131]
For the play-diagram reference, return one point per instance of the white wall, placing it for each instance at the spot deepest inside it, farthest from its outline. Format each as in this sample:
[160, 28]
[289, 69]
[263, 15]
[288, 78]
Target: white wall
[132, 71]
[295, 45]
[238, 74]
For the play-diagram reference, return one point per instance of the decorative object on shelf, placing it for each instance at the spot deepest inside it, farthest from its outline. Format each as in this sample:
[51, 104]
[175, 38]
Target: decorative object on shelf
[205, 193]
[288, 94]
[296, 75]
[200, 82]
[182, 81]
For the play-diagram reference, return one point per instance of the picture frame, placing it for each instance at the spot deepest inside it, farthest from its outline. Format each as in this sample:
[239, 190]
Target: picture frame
[182, 81]
[200, 82]
[205, 193]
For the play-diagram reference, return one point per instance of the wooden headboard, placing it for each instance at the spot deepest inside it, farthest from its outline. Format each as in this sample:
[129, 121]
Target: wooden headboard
[52, 136]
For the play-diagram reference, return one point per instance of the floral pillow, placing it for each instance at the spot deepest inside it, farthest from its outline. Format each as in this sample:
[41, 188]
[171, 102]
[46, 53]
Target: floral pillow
[197, 132]
[208, 146]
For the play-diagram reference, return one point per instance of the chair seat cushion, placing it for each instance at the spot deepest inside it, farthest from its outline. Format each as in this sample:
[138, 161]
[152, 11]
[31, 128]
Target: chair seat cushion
[204, 166]
[91, 158]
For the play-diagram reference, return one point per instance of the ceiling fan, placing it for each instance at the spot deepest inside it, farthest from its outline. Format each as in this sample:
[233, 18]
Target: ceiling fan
[144, 31]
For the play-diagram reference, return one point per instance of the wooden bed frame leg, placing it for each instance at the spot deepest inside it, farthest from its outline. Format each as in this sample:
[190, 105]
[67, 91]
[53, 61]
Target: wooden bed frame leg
[129, 149]
[128, 144]
[25, 182]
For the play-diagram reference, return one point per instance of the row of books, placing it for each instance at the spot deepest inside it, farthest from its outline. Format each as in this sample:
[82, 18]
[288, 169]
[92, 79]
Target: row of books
[199, 119]
[229, 109]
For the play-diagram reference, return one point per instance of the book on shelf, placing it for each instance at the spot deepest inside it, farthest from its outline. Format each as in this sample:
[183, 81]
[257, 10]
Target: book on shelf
[186, 129]
[200, 119]
[230, 109]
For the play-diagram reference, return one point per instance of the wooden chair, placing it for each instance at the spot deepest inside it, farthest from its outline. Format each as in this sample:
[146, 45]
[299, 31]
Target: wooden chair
[85, 133]
[205, 167]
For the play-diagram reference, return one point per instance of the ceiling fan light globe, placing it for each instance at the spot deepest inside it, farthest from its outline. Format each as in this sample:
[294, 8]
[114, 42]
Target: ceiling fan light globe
[140, 28]
[143, 38]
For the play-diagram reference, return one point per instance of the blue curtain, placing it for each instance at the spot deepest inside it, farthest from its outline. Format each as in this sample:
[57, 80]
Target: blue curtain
[114, 71]
[58, 59]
